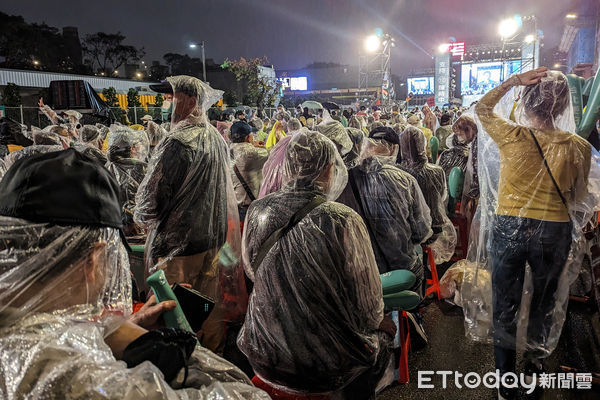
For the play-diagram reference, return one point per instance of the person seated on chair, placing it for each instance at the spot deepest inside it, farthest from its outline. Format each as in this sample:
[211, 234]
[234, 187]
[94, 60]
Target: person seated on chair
[65, 297]
[391, 203]
[432, 181]
[315, 315]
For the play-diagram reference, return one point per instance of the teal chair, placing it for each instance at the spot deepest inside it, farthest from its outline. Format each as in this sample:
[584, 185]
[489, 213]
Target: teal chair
[456, 180]
[398, 297]
[434, 145]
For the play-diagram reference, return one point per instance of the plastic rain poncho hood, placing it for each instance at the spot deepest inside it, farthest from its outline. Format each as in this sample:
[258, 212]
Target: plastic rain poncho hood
[432, 181]
[321, 277]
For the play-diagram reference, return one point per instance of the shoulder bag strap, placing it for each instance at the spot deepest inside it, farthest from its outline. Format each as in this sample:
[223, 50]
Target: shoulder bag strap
[243, 182]
[537, 144]
[279, 233]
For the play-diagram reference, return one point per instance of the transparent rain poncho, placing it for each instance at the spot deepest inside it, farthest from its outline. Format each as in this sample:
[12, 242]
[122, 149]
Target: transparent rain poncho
[127, 152]
[155, 133]
[336, 132]
[90, 134]
[187, 203]
[249, 161]
[45, 137]
[273, 168]
[520, 206]
[317, 297]
[13, 157]
[456, 155]
[432, 181]
[63, 289]
[394, 209]
[357, 137]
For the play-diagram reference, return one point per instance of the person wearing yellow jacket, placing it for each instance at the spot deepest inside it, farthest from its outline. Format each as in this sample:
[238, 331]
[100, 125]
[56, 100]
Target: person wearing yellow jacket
[277, 133]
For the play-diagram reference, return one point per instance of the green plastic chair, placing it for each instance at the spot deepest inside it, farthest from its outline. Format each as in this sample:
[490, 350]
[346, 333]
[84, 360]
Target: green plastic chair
[397, 297]
[434, 145]
[456, 181]
[397, 281]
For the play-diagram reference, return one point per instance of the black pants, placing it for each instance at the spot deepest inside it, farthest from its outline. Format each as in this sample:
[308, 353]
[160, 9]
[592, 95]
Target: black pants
[545, 246]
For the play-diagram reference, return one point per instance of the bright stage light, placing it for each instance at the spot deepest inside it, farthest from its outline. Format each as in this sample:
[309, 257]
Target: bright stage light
[570, 16]
[372, 43]
[443, 47]
[529, 39]
[508, 27]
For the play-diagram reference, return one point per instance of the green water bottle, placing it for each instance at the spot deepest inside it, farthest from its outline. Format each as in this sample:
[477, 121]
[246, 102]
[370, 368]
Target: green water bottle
[163, 292]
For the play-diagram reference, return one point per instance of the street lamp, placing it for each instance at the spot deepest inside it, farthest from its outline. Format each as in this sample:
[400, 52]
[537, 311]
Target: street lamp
[372, 43]
[36, 62]
[193, 46]
[139, 75]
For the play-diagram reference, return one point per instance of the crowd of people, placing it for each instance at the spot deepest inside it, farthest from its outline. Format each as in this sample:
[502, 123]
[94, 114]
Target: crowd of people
[286, 223]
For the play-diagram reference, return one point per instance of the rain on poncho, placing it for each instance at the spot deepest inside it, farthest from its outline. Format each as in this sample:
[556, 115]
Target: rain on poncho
[515, 183]
[249, 161]
[357, 137]
[273, 168]
[432, 182]
[317, 297]
[54, 317]
[395, 211]
[127, 152]
[457, 155]
[336, 132]
[187, 203]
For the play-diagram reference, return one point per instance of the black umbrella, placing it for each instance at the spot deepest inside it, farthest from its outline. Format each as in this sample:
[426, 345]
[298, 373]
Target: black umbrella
[329, 105]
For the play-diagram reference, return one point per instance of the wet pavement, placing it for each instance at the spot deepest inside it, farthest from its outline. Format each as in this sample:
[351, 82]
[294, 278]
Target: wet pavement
[450, 350]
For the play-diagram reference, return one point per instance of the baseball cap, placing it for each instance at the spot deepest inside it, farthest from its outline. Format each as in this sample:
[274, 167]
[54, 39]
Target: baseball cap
[163, 87]
[240, 130]
[385, 133]
[64, 188]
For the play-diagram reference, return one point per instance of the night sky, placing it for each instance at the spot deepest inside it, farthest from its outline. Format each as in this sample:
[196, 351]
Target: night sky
[292, 33]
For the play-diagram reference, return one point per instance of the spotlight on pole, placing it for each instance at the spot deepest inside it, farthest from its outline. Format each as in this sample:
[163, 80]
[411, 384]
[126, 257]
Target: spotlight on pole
[509, 26]
[443, 48]
[193, 45]
[372, 43]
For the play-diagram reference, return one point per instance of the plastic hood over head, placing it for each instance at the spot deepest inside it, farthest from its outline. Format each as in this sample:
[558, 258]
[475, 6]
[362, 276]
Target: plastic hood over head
[504, 133]
[75, 271]
[432, 181]
[89, 133]
[191, 100]
[312, 162]
[413, 147]
[335, 131]
[273, 168]
[126, 143]
[547, 103]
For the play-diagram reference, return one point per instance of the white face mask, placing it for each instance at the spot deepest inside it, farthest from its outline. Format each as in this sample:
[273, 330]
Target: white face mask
[166, 105]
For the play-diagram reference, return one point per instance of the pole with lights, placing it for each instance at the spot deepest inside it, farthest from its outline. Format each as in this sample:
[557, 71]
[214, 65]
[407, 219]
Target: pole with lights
[375, 62]
[193, 46]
